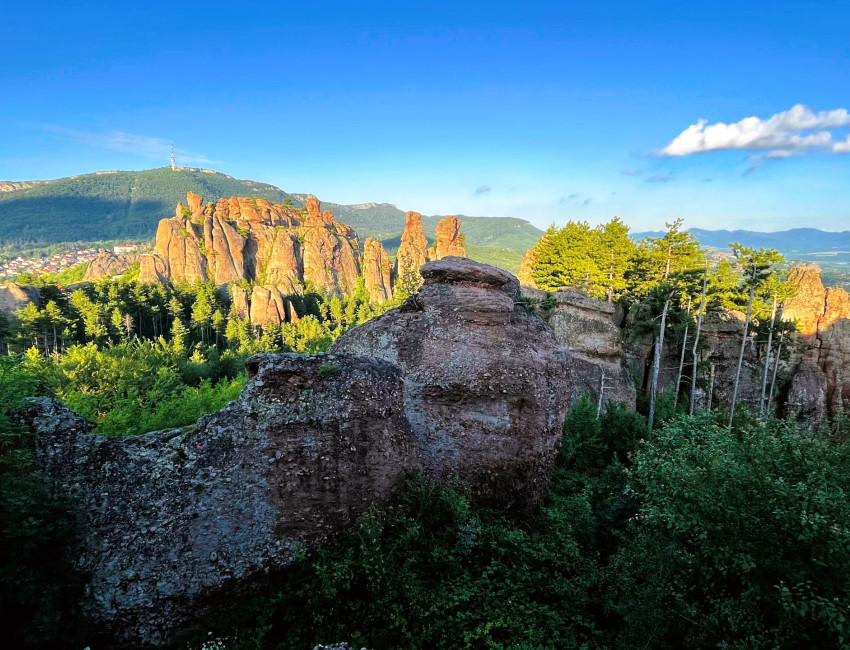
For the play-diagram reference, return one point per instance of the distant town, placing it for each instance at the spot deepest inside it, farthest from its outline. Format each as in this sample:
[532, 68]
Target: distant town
[59, 262]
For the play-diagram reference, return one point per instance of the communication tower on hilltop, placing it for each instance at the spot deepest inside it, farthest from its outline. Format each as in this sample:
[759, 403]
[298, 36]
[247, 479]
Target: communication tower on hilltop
[173, 168]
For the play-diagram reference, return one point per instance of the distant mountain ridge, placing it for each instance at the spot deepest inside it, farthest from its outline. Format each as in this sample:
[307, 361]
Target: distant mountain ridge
[795, 240]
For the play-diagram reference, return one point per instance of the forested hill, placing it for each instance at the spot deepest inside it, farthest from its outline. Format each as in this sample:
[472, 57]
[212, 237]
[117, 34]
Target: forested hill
[128, 205]
[385, 222]
[111, 205]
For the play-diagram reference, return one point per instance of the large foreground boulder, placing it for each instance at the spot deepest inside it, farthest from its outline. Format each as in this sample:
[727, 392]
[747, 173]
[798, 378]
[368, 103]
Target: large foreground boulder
[485, 384]
[174, 522]
[461, 382]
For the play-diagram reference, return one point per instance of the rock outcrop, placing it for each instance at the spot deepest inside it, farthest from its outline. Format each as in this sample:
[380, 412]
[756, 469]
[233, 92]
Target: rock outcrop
[823, 320]
[108, 265]
[485, 384]
[176, 522]
[413, 250]
[460, 382]
[526, 269]
[16, 296]
[448, 240]
[589, 328]
[376, 271]
[243, 238]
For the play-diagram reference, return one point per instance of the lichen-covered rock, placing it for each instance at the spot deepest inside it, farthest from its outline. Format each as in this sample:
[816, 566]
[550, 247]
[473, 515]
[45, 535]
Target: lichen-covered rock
[807, 394]
[176, 522]
[108, 265]
[485, 384]
[448, 240]
[588, 328]
[376, 271]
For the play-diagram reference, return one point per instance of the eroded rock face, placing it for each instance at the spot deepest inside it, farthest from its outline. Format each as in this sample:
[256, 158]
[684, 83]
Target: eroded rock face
[526, 268]
[107, 265]
[485, 384]
[588, 328]
[16, 296]
[823, 319]
[461, 382]
[376, 271]
[448, 240]
[175, 522]
[413, 250]
[252, 239]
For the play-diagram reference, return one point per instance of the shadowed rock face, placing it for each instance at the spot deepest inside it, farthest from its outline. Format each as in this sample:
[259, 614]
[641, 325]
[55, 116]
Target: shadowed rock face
[376, 271]
[173, 522]
[243, 238]
[15, 296]
[485, 385]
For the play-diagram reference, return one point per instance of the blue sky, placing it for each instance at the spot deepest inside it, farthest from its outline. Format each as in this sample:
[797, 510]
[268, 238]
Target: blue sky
[543, 111]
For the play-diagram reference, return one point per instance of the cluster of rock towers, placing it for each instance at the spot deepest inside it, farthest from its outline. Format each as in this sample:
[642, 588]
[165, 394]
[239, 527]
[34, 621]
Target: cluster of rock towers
[281, 250]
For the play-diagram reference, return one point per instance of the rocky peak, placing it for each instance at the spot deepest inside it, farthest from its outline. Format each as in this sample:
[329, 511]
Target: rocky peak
[526, 267]
[413, 251]
[448, 239]
[313, 209]
[252, 239]
[194, 201]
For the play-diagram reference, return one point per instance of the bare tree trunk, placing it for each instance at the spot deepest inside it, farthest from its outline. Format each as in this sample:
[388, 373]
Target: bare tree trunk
[684, 347]
[696, 341]
[767, 357]
[775, 368]
[711, 388]
[601, 394]
[741, 353]
[656, 365]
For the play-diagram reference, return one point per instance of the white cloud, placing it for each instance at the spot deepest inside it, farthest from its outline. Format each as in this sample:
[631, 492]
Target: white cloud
[798, 129]
[131, 143]
[842, 147]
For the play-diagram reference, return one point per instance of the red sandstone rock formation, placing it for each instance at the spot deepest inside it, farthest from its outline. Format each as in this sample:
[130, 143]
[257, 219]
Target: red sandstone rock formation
[376, 271]
[244, 238]
[526, 268]
[268, 307]
[823, 318]
[448, 240]
[413, 251]
[15, 296]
